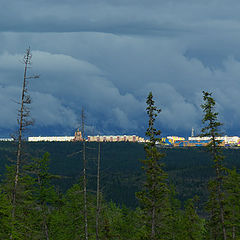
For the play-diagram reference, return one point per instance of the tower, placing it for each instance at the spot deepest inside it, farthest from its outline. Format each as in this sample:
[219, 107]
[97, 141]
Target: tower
[192, 134]
[78, 135]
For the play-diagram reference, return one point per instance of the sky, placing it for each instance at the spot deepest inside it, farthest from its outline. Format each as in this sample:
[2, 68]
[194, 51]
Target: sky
[107, 55]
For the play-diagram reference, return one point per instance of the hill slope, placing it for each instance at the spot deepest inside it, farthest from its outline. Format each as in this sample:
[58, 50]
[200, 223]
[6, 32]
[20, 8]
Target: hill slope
[189, 169]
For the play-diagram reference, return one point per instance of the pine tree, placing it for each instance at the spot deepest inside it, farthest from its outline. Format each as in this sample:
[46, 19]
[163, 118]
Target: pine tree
[154, 197]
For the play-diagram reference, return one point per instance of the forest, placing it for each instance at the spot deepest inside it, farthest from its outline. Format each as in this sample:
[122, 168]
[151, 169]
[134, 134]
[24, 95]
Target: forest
[189, 169]
[80, 190]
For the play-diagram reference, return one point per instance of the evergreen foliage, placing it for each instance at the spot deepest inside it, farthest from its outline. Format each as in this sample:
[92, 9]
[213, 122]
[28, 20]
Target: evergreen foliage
[5, 210]
[193, 225]
[231, 184]
[222, 206]
[154, 197]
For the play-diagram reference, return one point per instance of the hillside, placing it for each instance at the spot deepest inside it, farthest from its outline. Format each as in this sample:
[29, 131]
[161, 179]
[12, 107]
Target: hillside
[189, 168]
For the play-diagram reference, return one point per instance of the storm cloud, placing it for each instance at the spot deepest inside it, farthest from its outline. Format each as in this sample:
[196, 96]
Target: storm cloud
[107, 55]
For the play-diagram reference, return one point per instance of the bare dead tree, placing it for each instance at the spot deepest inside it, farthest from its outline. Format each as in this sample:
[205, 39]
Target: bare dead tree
[84, 179]
[98, 191]
[23, 122]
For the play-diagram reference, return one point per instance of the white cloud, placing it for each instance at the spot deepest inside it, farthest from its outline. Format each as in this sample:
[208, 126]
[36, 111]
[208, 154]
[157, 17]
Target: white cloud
[49, 111]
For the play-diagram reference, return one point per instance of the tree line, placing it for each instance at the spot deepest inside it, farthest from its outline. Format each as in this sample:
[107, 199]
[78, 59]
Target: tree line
[31, 207]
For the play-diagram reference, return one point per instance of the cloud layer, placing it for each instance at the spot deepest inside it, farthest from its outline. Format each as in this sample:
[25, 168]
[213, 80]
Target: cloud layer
[106, 56]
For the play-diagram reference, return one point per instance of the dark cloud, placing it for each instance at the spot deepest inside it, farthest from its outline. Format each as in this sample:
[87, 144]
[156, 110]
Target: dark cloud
[107, 56]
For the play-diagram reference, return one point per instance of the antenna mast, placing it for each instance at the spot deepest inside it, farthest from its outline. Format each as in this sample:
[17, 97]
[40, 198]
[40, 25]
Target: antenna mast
[192, 134]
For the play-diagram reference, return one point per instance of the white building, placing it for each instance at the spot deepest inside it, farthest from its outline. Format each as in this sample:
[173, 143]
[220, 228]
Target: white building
[226, 139]
[6, 139]
[51, 139]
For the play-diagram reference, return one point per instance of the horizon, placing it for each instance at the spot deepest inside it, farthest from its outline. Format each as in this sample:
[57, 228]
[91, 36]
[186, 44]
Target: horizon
[108, 60]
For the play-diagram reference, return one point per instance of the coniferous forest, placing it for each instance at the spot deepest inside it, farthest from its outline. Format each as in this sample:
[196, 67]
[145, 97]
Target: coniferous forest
[111, 191]
[188, 169]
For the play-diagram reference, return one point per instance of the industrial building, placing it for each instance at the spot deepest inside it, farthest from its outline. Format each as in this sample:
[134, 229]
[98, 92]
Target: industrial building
[198, 141]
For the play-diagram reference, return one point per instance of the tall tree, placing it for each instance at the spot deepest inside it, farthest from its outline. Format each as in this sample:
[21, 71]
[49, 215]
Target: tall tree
[98, 191]
[84, 178]
[154, 197]
[23, 122]
[216, 201]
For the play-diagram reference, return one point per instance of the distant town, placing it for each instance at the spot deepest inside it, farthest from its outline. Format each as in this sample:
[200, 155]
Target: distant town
[169, 141]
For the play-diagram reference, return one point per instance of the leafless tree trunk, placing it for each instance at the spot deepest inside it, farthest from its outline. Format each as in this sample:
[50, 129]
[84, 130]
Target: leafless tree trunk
[98, 192]
[23, 121]
[27, 60]
[84, 179]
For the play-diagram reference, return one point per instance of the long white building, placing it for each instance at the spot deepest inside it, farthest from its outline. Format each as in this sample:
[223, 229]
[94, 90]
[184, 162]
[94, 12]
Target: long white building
[51, 139]
[6, 139]
[78, 137]
[232, 140]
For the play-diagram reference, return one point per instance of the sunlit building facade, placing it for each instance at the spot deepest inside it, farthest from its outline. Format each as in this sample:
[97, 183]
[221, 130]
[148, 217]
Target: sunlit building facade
[113, 138]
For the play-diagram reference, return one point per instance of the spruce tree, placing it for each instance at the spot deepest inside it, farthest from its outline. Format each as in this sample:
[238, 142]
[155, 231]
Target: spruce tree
[215, 205]
[154, 197]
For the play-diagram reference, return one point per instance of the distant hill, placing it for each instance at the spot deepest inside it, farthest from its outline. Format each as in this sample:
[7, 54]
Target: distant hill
[189, 169]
